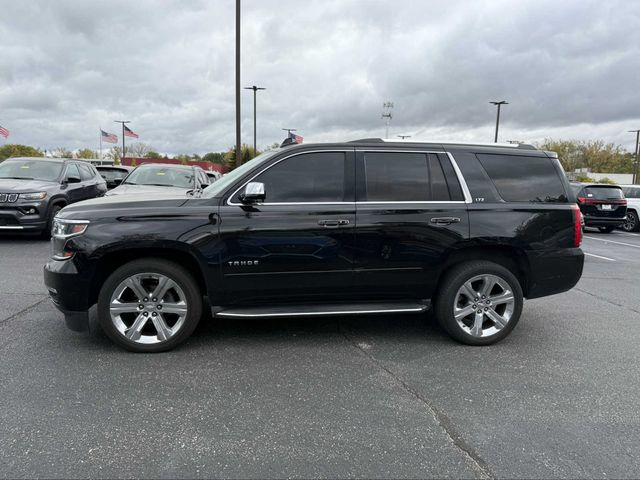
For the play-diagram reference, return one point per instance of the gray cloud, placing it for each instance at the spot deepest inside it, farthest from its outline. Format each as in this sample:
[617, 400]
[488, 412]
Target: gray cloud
[568, 69]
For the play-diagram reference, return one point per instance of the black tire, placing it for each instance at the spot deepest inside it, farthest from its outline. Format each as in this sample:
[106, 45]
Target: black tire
[605, 229]
[184, 280]
[446, 300]
[631, 224]
[53, 211]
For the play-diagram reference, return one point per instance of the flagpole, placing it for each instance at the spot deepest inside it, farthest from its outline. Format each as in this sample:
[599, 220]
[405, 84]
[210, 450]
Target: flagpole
[100, 154]
[123, 147]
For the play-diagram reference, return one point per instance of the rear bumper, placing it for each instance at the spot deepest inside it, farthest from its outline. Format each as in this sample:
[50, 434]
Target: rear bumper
[590, 221]
[553, 272]
[69, 292]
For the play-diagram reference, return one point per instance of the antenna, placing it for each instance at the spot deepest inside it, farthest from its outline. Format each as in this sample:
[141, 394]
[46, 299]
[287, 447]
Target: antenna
[387, 109]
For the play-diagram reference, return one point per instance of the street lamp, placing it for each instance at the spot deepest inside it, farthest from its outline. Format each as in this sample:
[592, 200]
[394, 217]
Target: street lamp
[255, 90]
[123, 123]
[238, 138]
[637, 154]
[404, 136]
[498, 104]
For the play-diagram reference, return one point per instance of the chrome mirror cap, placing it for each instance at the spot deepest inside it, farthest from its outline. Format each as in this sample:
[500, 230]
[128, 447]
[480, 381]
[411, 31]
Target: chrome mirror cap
[253, 192]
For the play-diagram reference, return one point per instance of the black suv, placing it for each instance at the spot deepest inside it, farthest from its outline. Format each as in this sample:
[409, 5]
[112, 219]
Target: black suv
[603, 206]
[34, 190]
[362, 227]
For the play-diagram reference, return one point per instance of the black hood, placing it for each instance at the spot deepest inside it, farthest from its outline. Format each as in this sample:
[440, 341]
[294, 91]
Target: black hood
[120, 205]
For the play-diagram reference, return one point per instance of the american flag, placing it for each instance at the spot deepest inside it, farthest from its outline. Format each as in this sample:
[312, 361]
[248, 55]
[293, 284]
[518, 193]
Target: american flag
[295, 138]
[129, 133]
[4, 132]
[109, 137]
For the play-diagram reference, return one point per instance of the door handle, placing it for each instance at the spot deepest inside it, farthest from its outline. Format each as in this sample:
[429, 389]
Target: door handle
[445, 220]
[333, 223]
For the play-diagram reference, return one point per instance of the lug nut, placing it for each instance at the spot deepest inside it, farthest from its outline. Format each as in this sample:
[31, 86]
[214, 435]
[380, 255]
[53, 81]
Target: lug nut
[159, 307]
[474, 306]
[486, 309]
[145, 299]
[154, 314]
[140, 307]
[483, 296]
[154, 299]
[146, 314]
[479, 311]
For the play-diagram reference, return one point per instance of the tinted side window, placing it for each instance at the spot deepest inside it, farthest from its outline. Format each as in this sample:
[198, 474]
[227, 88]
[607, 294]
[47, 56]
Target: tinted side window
[309, 177]
[399, 177]
[85, 172]
[72, 171]
[524, 179]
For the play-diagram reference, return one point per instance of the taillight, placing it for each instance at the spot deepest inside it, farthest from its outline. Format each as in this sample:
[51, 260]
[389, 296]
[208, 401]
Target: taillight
[582, 200]
[577, 227]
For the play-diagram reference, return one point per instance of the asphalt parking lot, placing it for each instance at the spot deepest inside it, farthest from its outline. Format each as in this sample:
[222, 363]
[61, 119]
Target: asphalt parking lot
[360, 397]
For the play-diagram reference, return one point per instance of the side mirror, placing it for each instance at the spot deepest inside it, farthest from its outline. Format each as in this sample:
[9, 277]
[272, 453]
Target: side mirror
[253, 193]
[73, 180]
[117, 181]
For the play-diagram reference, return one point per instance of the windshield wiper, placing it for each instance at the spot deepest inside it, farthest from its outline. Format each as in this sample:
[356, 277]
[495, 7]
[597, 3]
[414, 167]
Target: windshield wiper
[20, 178]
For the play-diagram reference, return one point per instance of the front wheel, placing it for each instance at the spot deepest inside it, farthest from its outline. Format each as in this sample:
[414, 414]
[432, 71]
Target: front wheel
[479, 303]
[631, 224]
[149, 305]
[605, 229]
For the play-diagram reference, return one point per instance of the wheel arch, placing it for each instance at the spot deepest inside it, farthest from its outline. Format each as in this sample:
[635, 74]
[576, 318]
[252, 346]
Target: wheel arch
[510, 257]
[109, 262]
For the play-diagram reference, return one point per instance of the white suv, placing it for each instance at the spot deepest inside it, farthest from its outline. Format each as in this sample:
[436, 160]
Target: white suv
[632, 192]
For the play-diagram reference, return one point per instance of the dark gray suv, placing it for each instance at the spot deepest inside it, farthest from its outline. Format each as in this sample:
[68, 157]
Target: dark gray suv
[34, 190]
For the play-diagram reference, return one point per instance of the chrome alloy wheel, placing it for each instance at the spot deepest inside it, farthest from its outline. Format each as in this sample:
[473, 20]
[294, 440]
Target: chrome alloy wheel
[484, 305]
[148, 308]
[631, 222]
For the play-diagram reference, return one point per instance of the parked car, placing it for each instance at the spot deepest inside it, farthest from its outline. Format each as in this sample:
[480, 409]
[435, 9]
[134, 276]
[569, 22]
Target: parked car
[166, 179]
[603, 206]
[632, 194]
[362, 227]
[113, 174]
[213, 175]
[34, 190]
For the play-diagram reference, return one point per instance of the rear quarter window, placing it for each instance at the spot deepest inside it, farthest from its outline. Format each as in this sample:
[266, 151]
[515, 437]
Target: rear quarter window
[520, 178]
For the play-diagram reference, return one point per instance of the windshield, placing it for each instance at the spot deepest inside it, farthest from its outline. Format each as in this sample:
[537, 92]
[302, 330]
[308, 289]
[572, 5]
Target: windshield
[216, 188]
[162, 176]
[111, 174]
[30, 170]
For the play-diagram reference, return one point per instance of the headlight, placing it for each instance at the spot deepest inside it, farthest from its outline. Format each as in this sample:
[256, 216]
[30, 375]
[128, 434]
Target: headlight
[33, 196]
[63, 228]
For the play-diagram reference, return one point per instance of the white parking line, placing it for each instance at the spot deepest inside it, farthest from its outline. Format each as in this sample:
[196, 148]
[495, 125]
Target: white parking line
[600, 256]
[613, 241]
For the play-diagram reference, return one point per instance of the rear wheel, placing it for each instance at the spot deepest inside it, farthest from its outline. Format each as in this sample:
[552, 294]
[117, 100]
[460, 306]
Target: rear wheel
[605, 229]
[631, 224]
[479, 303]
[149, 305]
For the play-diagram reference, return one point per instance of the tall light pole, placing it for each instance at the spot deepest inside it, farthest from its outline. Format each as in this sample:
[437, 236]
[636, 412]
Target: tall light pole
[238, 139]
[123, 150]
[387, 108]
[498, 104]
[255, 90]
[403, 136]
[636, 155]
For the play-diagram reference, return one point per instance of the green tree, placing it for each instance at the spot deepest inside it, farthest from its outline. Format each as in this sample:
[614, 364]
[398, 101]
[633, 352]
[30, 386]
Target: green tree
[62, 152]
[596, 155]
[115, 154]
[14, 150]
[86, 153]
[152, 154]
[214, 157]
[247, 154]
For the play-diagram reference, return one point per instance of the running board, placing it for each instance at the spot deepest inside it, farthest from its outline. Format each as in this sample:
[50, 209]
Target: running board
[321, 310]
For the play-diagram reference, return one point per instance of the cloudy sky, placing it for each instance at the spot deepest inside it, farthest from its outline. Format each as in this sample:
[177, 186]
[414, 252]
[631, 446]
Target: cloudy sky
[569, 69]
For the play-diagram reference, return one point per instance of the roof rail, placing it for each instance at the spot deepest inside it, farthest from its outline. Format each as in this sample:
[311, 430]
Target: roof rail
[445, 142]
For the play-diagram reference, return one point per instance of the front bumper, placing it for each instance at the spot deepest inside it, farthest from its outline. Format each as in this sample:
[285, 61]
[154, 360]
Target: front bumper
[554, 271]
[16, 217]
[69, 292]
